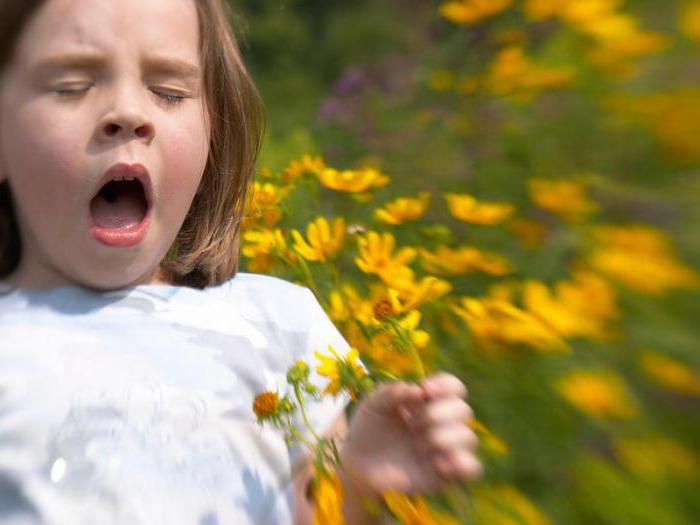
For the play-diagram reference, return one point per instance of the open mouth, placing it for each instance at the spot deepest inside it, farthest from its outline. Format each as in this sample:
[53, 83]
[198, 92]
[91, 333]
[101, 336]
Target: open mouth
[120, 204]
[119, 213]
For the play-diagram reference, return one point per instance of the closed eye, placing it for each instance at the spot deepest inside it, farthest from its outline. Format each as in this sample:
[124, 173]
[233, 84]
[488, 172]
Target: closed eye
[75, 91]
[72, 91]
[169, 98]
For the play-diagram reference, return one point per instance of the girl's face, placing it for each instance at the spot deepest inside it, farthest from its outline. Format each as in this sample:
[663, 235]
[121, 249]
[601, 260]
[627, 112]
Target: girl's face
[95, 84]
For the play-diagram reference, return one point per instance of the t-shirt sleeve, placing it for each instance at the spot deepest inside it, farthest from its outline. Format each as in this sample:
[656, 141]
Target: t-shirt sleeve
[321, 332]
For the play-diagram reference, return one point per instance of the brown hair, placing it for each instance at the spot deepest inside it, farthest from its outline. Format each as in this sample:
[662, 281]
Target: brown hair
[205, 251]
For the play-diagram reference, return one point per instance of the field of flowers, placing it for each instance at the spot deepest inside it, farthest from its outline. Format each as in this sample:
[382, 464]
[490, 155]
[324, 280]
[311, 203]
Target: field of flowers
[508, 190]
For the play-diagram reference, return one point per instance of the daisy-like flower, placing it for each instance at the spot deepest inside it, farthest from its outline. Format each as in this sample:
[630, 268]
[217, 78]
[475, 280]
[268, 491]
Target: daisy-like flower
[377, 254]
[492, 444]
[415, 511]
[472, 11]
[264, 205]
[564, 198]
[328, 500]
[642, 258]
[654, 455]
[497, 324]
[322, 242]
[515, 75]
[302, 166]
[263, 241]
[415, 294]
[530, 233]
[344, 373]
[403, 209]
[392, 352]
[466, 208]
[601, 394]
[353, 181]
[264, 247]
[505, 504]
[670, 373]
[464, 260]
[584, 307]
[266, 405]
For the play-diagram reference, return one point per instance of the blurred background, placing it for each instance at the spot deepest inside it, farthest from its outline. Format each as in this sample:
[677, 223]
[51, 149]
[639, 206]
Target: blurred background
[558, 143]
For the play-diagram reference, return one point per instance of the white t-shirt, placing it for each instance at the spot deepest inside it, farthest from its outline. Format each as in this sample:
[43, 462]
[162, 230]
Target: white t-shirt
[134, 407]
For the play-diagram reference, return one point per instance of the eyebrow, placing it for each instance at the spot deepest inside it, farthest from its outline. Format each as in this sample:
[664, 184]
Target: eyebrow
[95, 62]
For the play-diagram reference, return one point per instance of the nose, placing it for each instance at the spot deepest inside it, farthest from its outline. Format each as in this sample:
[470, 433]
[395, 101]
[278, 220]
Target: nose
[121, 127]
[126, 119]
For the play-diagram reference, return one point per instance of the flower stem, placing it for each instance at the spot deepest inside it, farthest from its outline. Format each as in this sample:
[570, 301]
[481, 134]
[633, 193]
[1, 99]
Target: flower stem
[294, 432]
[412, 350]
[302, 407]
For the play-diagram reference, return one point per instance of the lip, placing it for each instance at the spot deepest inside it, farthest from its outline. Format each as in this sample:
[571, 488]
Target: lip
[123, 237]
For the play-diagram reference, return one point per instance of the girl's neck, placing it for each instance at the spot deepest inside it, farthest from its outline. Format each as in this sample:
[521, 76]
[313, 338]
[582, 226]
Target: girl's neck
[18, 281]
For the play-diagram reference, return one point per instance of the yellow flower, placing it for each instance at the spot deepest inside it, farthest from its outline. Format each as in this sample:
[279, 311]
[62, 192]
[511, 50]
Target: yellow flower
[464, 260]
[642, 258]
[530, 233]
[403, 209]
[497, 324]
[262, 246]
[343, 372]
[346, 304]
[601, 394]
[263, 241]
[328, 500]
[377, 254]
[383, 310]
[307, 164]
[353, 181]
[690, 20]
[415, 510]
[543, 9]
[584, 307]
[263, 205]
[671, 374]
[490, 442]
[467, 208]
[415, 294]
[672, 118]
[512, 74]
[390, 351]
[322, 244]
[505, 505]
[564, 198]
[472, 11]
[654, 456]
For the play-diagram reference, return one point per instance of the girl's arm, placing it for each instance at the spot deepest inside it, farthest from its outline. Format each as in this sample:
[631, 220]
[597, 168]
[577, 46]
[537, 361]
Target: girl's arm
[408, 438]
[353, 509]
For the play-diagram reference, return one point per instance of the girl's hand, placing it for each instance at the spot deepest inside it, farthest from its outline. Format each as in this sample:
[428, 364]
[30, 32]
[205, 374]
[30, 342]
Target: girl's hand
[411, 438]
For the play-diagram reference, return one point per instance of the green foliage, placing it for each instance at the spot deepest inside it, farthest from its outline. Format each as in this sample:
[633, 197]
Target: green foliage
[393, 83]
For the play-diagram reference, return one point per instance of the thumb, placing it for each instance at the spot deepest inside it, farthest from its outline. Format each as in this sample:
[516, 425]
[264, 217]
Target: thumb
[391, 396]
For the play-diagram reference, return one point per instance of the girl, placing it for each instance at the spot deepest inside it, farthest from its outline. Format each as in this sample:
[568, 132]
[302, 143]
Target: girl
[130, 349]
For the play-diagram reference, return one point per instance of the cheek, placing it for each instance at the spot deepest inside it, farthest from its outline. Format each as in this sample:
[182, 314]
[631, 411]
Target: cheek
[185, 159]
[187, 152]
[39, 149]
[43, 173]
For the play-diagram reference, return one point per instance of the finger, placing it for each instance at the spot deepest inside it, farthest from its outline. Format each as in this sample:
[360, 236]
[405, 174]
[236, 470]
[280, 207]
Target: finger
[440, 411]
[392, 396]
[457, 466]
[448, 438]
[443, 384]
